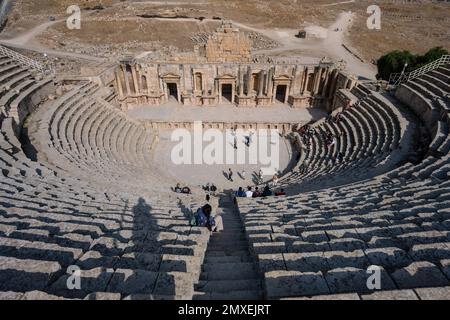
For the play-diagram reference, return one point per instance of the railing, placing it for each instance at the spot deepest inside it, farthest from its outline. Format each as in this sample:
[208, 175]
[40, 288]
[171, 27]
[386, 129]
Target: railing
[23, 60]
[396, 79]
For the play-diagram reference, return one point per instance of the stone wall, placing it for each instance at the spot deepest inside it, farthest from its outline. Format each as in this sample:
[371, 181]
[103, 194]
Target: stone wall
[243, 85]
[227, 44]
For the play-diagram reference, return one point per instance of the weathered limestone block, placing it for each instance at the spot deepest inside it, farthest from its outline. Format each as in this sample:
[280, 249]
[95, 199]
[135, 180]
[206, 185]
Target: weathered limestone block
[305, 262]
[175, 284]
[350, 279]
[431, 252]
[269, 247]
[126, 281]
[419, 274]
[144, 261]
[188, 264]
[440, 293]
[26, 274]
[39, 295]
[93, 280]
[281, 284]
[103, 296]
[388, 257]
[271, 262]
[391, 295]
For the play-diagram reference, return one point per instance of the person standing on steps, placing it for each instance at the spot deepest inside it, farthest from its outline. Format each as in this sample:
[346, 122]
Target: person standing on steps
[243, 174]
[275, 180]
[230, 175]
[260, 176]
[213, 189]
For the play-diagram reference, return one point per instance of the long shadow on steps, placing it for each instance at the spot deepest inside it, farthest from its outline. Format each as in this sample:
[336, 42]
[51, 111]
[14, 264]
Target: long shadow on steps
[228, 271]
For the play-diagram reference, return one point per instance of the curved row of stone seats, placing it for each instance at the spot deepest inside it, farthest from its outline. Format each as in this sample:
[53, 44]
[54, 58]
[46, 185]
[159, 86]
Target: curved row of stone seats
[419, 92]
[322, 242]
[144, 248]
[428, 96]
[126, 246]
[19, 90]
[123, 247]
[93, 138]
[368, 136]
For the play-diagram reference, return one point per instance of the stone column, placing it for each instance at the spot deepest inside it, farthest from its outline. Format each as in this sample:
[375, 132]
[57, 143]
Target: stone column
[327, 79]
[270, 82]
[135, 80]
[249, 81]
[305, 86]
[127, 81]
[317, 77]
[119, 84]
[241, 82]
[261, 83]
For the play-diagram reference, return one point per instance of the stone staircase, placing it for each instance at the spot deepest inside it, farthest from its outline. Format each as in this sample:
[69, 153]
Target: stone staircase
[228, 272]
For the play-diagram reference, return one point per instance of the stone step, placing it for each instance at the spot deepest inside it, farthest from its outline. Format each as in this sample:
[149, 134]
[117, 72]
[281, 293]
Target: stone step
[225, 248]
[228, 266]
[226, 253]
[224, 286]
[232, 295]
[237, 274]
[227, 259]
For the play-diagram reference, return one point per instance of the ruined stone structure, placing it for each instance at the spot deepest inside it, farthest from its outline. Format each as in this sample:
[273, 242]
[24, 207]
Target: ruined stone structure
[245, 85]
[223, 73]
[228, 45]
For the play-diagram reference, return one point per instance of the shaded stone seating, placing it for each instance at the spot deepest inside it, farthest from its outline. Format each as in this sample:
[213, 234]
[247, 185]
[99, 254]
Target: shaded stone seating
[368, 136]
[91, 135]
[343, 228]
[51, 217]
[320, 243]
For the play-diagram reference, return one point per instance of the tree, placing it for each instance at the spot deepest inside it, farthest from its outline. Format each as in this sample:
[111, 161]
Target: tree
[432, 54]
[393, 62]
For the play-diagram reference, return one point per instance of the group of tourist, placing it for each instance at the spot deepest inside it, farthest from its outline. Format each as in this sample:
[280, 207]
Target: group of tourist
[307, 133]
[179, 189]
[329, 139]
[210, 188]
[250, 193]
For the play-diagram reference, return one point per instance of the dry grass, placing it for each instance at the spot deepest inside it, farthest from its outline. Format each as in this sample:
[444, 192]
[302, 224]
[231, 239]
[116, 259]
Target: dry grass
[400, 29]
[416, 35]
[107, 32]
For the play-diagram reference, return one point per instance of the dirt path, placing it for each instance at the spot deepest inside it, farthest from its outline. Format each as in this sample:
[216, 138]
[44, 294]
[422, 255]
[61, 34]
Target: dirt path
[330, 44]
[27, 41]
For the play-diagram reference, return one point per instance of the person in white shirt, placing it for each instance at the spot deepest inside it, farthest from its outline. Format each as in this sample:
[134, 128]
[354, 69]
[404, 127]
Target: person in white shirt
[249, 192]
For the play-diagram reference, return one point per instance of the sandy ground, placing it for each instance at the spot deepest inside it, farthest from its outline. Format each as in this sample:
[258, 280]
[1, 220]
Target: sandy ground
[226, 113]
[198, 175]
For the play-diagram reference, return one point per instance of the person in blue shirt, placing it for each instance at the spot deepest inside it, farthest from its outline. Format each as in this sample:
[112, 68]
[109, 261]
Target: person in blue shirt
[240, 193]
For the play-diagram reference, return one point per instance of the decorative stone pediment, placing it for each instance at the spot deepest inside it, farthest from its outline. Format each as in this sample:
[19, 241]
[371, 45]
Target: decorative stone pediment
[170, 76]
[226, 77]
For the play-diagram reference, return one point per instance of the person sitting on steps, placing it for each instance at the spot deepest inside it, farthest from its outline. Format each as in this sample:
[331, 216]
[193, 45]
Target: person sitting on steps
[267, 192]
[256, 193]
[177, 188]
[240, 193]
[205, 218]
